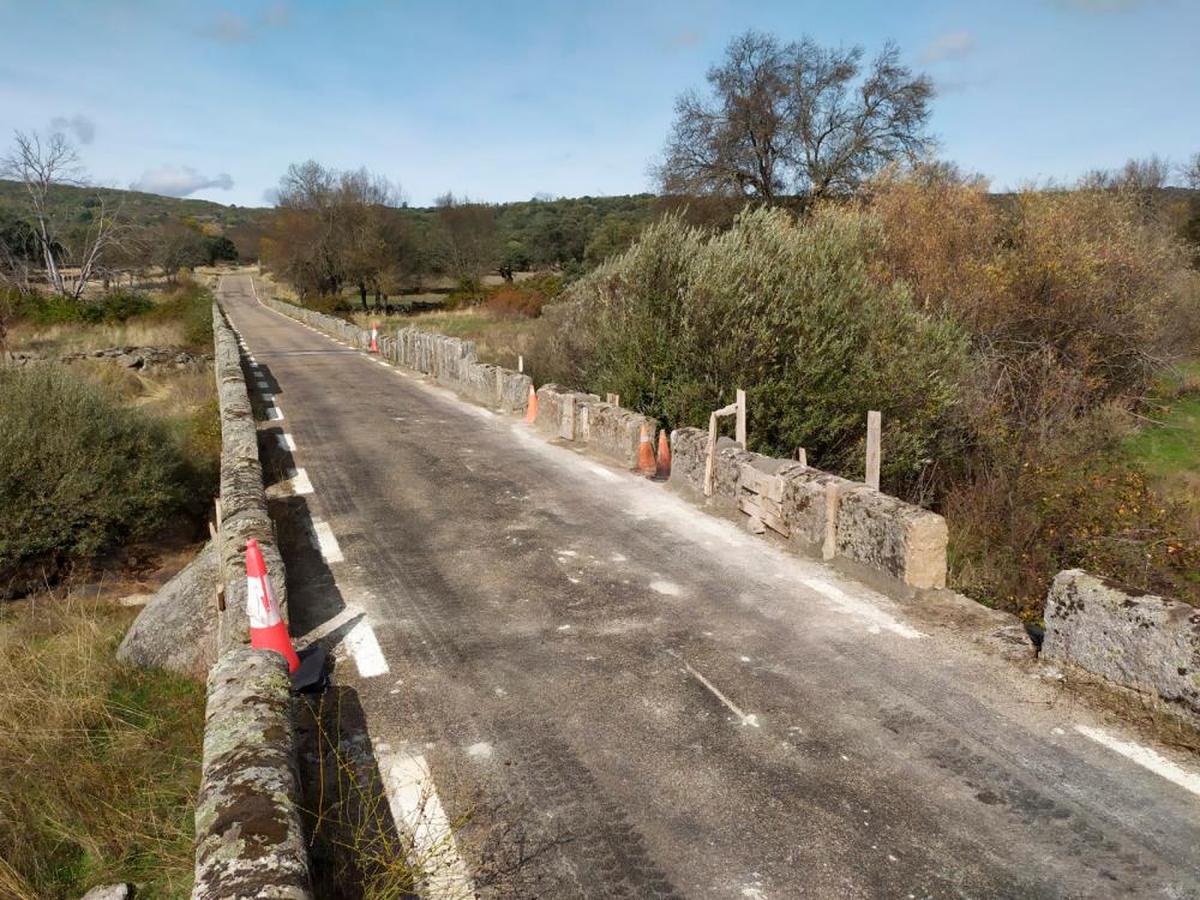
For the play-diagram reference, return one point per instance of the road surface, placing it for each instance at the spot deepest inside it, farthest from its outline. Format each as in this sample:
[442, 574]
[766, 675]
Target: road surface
[600, 691]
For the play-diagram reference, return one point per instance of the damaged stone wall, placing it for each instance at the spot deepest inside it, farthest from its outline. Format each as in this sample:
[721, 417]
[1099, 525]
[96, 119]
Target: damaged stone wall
[819, 511]
[249, 838]
[450, 361]
[1140, 641]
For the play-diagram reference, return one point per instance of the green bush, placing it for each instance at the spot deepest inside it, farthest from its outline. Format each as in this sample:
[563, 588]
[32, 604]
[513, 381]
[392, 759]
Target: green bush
[78, 474]
[788, 311]
[54, 309]
[192, 304]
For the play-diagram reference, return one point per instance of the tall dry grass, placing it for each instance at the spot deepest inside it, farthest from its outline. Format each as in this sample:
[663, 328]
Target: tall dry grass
[101, 761]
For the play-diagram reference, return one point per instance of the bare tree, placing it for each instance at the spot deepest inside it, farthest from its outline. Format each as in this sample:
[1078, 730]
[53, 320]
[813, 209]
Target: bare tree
[470, 241]
[42, 165]
[795, 118]
[1190, 171]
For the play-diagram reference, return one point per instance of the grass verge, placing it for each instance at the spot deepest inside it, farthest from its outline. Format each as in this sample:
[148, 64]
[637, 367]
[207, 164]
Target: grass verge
[101, 760]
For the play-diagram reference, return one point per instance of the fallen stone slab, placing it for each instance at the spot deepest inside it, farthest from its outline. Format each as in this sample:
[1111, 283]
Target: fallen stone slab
[109, 892]
[177, 629]
[1134, 639]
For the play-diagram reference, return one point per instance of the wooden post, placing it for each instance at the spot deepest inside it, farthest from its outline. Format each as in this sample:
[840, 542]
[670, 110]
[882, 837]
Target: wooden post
[829, 547]
[613, 399]
[740, 432]
[521, 363]
[802, 456]
[710, 461]
[874, 436]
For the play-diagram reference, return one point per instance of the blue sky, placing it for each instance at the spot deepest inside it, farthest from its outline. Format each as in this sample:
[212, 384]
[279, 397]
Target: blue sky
[503, 100]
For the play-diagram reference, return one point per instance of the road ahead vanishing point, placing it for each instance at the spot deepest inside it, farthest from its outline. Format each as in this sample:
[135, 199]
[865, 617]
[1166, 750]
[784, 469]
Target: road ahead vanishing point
[576, 684]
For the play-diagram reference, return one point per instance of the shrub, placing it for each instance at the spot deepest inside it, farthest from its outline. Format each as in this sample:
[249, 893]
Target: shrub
[78, 473]
[786, 310]
[516, 301]
[191, 304]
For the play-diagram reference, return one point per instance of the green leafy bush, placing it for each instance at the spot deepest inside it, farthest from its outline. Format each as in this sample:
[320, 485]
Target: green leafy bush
[78, 474]
[54, 309]
[190, 303]
[786, 310]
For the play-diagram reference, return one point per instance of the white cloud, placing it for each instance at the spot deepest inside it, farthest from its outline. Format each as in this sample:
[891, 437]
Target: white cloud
[79, 126]
[948, 46]
[232, 28]
[179, 181]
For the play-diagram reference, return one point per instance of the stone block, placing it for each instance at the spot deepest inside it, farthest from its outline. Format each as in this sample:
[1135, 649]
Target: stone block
[884, 533]
[1134, 639]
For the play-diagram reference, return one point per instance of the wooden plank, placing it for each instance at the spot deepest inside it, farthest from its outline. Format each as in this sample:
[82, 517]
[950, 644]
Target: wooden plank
[874, 452]
[762, 483]
[758, 508]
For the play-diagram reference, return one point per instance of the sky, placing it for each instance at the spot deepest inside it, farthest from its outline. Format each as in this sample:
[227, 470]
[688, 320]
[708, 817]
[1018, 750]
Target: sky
[504, 100]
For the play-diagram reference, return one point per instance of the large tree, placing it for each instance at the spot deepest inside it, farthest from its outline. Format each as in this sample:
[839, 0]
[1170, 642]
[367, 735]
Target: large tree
[794, 118]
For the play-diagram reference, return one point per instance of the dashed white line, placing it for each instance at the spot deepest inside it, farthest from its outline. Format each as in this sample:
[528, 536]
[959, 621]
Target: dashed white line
[326, 542]
[262, 385]
[274, 413]
[285, 441]
[300, 482]
[416, 807]
[1145, 757]
[364, 647]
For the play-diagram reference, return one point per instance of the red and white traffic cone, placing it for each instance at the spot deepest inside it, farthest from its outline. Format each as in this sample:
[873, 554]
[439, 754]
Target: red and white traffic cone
[268, 631]
[374, 337]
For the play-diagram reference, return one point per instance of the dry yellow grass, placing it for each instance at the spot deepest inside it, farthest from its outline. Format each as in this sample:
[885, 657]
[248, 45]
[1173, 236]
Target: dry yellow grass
[74, 337]
[101, 761]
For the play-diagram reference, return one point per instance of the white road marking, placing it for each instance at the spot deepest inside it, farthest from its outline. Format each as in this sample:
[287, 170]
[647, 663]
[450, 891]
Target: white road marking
[746, 719]
[668, 588]
[285, 441]
[269, 398]
[364, 647]
[274, 413]
[330, 625]
[875, 616]
[603, 473]
[416, 807]
[326, 542]
[1146, 758]
[262, 384]
[300, 482]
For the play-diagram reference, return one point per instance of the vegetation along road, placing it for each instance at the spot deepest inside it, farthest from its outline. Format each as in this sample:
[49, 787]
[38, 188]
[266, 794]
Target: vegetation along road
[575, 684]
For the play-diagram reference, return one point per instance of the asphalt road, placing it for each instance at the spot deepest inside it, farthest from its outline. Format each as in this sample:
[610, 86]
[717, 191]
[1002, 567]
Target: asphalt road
[605, 692]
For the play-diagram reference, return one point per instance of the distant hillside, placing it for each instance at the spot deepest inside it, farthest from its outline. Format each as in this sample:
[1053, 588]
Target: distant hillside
[142, 208]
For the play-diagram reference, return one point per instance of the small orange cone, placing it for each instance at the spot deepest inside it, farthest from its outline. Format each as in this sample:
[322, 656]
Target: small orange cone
[646, 464]
[374, 338]
[268, 631]
[664, 455]
[531, 407]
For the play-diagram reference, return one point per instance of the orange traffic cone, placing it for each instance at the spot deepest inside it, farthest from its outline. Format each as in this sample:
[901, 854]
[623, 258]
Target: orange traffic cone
[374, 338]
[531, 407]
[268, 631]
[646, 464]
[664, 455]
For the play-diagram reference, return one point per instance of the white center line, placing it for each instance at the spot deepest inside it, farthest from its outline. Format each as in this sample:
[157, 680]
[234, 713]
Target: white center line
[1145, 757]
[415, 806]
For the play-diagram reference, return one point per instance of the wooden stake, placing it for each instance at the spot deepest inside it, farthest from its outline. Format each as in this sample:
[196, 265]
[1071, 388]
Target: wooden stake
[874, 452]
[220, 514]
[520, 363]
[740, 432]
[710, 461]
[613, 399]
[829, 548]
[802, 456]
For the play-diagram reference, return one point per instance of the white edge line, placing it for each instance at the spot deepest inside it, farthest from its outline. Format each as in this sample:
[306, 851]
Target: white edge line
[415, 805]
[274, 413]
[1145, 757]
[286, 441]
